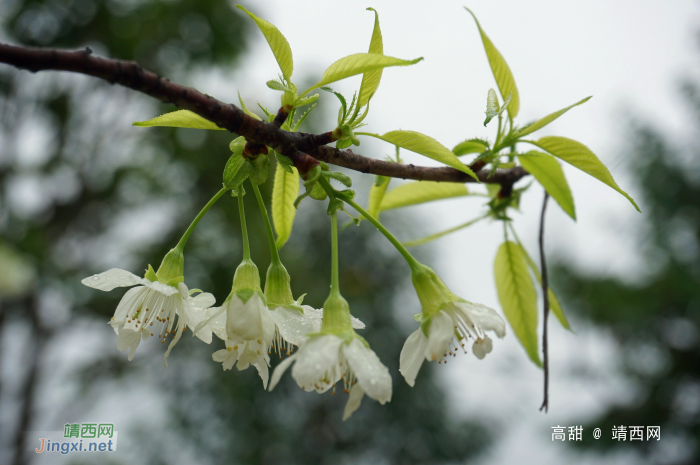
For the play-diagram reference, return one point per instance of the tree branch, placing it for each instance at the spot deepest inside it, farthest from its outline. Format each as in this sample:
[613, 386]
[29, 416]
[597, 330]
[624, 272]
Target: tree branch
[130, 74]
[545, 297]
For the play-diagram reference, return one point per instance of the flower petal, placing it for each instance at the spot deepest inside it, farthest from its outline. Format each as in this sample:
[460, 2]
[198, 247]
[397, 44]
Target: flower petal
[129, 303]
[160, 287]
[441, 332]
[412, 356]
[371, 373]
[354, 401]
[294, 325]
[485, 318]
[280, 369]
[215, 315]
[243, 319]
[356, 323]
[111, 279]
[128, 339]
[318, 356]
[263, 372]
[203, 301]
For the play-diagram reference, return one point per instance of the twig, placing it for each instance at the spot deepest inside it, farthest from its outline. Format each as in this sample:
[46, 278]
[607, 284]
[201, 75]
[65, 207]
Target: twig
[130, 74]
[545, 294]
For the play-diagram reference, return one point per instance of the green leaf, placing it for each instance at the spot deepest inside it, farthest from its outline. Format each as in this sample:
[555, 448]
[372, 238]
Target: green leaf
[548, 172]
[469, 146]
[260, 169]
[284, 192]
[444, 233]
[517, 295]
[501, 71]
[371, 79]
[537, 125]
[376, 195]
[358, 63]
[246, 110]
[577, 154]
[424, 145]
[180, 119]
[417, 192]
[492, 106]
[237, 169]
[554, 305]
[278, 44]
[284, 162]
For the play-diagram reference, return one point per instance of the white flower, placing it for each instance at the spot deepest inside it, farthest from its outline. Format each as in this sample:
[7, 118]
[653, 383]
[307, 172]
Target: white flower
[463, 318]
[151, 309]
[294, 322]
[325, 359]
[446, 322]
[250, 330]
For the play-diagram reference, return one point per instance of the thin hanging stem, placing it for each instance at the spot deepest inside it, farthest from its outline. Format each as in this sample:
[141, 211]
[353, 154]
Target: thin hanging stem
[181, 245]
[335, 282]
[412, 262]
[268, 227]
[244, 229]
[545, 294]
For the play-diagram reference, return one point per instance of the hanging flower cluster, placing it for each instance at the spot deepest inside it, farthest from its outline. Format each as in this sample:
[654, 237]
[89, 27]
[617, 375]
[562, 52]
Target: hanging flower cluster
[253, 323]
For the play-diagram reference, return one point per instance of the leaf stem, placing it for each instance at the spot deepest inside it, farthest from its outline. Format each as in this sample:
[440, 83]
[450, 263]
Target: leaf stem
[181, 245]
[244, 229]
[268, 227]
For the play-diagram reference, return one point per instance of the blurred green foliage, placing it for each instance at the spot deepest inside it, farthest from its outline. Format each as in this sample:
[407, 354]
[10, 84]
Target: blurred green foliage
[657, 321]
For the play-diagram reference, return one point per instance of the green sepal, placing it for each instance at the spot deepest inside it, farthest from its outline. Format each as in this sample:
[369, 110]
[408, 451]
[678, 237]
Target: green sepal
[418, 317]
[151, 274]
[175, 281]
[172, 267]
[245, 294]
[336, 314]
[300, 299]
[247, 276]
[432, 292]
[278, 289]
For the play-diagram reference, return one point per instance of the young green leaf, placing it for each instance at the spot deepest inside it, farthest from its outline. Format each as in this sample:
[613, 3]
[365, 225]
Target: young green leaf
[278, 44]
[501, 71]
[371, 79]
[260, 169]
[358, 63]
[424, 145]
[417, 192]
[554, 305]
[237, 169]
[376, 195]
[469, 146]
[581, 157]
[284, 192]
[548, 172]
[245, 108]
[180, 119]
[492, 106]
[539, 124]
[518, 297]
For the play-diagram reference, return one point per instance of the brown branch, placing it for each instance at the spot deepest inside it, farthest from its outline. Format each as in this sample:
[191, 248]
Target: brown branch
[130, 74]
[545, 294]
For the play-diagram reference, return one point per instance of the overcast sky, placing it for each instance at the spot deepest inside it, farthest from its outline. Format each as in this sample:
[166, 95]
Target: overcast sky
[629, 55]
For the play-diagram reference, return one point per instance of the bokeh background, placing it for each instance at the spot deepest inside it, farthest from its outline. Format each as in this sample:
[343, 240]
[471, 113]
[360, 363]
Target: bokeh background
[81, 191]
